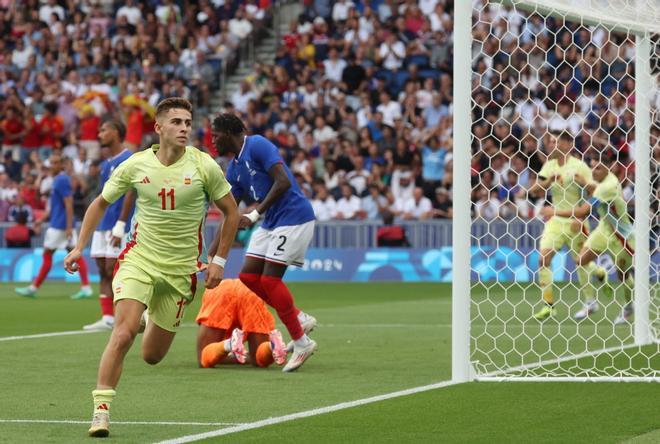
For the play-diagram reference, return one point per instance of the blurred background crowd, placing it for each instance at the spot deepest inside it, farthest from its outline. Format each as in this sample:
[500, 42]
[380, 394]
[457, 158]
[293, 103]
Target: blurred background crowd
[358, 99]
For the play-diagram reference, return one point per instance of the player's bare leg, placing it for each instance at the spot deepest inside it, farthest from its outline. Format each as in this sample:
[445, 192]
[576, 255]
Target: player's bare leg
[156, 343]
[128, 314]
[545, 282]
[590, 305]
[255, 340]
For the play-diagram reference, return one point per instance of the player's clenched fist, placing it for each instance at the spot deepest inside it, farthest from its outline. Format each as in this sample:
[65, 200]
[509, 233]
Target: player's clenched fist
[71, 261]
[214, 275]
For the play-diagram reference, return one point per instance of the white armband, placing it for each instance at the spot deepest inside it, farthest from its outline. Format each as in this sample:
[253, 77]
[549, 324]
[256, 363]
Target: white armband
[253, 216]
[219, 261]
[118, 229]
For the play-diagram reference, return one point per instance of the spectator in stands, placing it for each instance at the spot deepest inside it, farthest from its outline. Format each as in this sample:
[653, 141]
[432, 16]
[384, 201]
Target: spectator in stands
[19, 235]
[442, 204]
[13, 130]
[324, 205]
[349, 205]
[390, 235]
[20, 208]
[11, 167]
[51, 127]
[374, 203]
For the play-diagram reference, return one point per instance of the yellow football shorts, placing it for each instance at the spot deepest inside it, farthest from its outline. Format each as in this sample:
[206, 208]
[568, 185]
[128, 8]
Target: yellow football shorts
[560, 231]
[165, 296]
[604, 240]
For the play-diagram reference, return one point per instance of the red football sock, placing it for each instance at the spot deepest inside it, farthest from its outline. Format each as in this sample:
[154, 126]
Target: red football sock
[253, 282]
[82, 269]
[46, 264]
[282, 301]
[107, 307]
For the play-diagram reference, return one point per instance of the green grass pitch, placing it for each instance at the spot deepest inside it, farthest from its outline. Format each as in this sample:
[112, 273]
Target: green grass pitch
[373, 339]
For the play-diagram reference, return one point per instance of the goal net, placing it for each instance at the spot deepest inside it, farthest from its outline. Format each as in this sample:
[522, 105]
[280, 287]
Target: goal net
[560, 107]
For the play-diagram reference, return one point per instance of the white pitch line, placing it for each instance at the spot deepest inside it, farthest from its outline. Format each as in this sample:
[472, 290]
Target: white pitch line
[72, 421]
[46, 335]
[305, 414]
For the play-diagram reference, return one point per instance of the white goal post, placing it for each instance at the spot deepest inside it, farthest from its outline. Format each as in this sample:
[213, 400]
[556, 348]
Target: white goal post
[494, 335]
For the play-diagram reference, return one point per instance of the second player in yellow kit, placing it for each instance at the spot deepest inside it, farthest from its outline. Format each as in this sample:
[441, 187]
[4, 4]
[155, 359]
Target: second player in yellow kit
[156, 271]
[557, 176]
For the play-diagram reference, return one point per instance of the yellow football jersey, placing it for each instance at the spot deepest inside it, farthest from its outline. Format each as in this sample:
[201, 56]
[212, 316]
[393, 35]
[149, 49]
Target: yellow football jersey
[172, 201]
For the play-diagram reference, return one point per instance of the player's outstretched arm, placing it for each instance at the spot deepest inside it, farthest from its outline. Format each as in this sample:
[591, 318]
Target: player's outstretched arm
[226, 234]
[93, 216]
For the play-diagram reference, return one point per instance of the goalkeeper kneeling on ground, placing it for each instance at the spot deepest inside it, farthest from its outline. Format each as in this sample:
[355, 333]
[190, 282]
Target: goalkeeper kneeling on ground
[230, 315]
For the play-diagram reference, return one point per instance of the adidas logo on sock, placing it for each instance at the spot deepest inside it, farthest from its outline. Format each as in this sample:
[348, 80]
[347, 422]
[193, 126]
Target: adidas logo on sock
[103, 406]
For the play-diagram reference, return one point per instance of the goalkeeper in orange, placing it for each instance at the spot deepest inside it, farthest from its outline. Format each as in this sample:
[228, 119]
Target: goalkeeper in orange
[230, 315]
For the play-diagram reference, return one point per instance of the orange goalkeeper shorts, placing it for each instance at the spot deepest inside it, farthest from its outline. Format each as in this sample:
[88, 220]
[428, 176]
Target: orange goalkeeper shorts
[231, 304]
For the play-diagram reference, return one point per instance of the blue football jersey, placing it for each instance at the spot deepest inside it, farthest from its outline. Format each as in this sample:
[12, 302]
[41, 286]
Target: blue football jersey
[61, 189]
[248, 174]
[112, 213]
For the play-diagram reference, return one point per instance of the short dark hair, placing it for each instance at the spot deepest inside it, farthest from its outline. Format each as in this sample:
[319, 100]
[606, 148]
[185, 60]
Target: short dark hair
[118, 125]
[173, 103]
[229, 123]
[565, 135]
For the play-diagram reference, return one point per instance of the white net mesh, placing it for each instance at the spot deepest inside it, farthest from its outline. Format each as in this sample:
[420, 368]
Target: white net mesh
[546, 83]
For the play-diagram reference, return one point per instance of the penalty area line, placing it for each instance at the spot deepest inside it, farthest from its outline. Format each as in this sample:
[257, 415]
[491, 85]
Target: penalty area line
[305, 414]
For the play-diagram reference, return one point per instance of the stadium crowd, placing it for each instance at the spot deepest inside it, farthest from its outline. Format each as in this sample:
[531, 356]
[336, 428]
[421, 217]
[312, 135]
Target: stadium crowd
[359, 98]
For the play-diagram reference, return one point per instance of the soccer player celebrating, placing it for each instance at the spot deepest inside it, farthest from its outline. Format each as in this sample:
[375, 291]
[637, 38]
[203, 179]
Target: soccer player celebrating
[613, 235]
[157, 269]
[258, 169]
[60, 233]
[558, 176]
[230, 314]
[109, 238]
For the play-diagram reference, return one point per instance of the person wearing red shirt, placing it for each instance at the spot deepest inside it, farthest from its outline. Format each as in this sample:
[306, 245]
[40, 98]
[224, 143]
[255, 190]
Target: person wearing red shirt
[13, 131]
[32, 139]
[51, 127]
[134, 128]
[89, 129]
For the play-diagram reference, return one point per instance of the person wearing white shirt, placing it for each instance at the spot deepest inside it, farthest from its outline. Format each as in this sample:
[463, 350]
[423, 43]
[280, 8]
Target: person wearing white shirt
[487, 206]
[374, 203]
[51, 8]
[392, 52]
[242, 96]
[21, 54]
[390, 109]
[402, 185]
[349, 206]
[359, 176]
[239, 25]
[340, 10]
[132, 13]
[323, 132]
[417, 208]
[334, 66]
[324, 205]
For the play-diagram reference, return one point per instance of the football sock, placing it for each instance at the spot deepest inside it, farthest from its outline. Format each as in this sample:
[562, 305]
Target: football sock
[46, 265]
[282, 301]
[102, 400]
[107, 307]
[82, 270]
[302, 341]
[253, 282]
[586, 289]
[545, 281]
[264, 355]
[214, 353]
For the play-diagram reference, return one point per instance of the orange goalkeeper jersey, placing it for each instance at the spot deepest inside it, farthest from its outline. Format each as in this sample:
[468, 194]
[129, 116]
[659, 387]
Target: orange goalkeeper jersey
[230, 305]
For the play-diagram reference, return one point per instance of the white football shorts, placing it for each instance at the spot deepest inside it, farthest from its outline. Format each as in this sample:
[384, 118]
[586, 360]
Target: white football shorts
[55, 239]
[283, 245]
[101, 246]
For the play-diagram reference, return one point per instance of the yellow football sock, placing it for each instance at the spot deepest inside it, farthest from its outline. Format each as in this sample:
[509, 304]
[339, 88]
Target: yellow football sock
[584, 283]
[545, 281]
[103, 399]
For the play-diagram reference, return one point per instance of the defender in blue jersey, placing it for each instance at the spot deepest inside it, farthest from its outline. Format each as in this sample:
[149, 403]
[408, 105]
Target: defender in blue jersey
[60, 233]
[109, 239]
[257, 170]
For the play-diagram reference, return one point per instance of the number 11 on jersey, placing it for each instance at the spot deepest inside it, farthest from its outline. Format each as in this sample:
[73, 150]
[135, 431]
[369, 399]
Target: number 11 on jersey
[163, 194]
